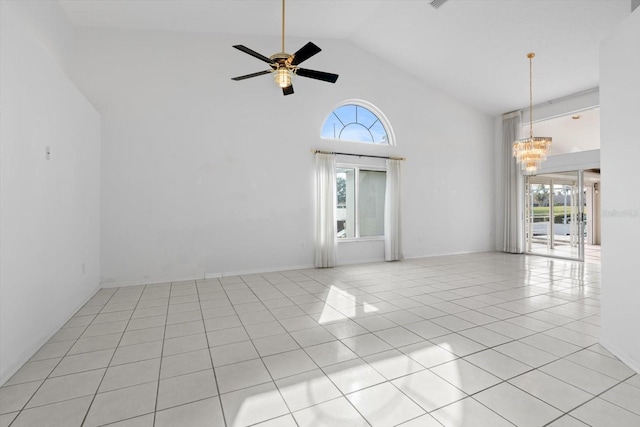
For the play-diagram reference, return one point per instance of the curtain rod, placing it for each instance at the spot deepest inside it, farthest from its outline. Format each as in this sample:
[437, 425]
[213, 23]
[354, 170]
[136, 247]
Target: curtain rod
[359, 155]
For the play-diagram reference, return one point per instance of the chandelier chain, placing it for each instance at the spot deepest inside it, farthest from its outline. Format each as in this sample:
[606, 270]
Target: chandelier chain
[532, 151]
[530, 95]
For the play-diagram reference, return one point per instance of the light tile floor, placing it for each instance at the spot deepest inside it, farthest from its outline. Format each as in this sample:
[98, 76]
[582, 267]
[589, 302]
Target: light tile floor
[592, 253]
[483, 339]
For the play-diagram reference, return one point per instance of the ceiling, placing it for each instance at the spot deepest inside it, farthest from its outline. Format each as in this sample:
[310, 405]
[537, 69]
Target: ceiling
[474, 50]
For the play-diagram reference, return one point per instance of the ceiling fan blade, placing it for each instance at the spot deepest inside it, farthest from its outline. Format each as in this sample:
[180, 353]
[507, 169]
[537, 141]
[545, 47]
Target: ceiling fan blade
[254, 53]
[318, 75]
[287, 90]
[437, 3]
[304, 53]
[248, 76]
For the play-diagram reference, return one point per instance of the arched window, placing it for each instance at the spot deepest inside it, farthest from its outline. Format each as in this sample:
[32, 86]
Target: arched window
[357, 121]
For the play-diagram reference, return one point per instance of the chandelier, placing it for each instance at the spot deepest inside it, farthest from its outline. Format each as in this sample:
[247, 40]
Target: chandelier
[532, 151]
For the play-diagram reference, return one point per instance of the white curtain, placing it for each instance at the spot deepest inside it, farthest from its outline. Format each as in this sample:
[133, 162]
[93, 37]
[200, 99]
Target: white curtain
[326, 228]
[392, 247]
[512, 187]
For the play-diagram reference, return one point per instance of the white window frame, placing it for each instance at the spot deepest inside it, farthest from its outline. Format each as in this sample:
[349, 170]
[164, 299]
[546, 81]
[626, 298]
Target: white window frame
[358, 167]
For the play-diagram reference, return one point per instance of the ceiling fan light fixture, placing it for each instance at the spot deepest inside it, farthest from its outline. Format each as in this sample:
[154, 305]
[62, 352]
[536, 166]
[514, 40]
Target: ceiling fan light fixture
[283, 77]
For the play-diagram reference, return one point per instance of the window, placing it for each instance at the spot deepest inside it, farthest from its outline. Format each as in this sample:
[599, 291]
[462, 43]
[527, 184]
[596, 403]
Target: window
[360, 202]
[356, 123]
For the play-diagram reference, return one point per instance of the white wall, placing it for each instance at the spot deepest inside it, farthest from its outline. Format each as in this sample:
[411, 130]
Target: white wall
[204, 175]
[49, 209]
[620, 152]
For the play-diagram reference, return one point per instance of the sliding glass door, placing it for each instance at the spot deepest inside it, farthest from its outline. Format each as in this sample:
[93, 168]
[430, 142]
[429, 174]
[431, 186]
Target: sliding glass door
[554, 215]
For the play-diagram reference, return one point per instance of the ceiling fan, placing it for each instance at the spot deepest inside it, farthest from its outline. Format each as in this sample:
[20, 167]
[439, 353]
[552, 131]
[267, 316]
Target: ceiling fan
[284, 66]
[437, 3]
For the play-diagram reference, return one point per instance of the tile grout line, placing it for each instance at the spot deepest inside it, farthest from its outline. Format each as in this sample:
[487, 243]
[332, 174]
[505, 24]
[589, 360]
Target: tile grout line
[317, 367]
[254, 346]
[155, 406]
[24, 407]
[108, 364]
[213, 368]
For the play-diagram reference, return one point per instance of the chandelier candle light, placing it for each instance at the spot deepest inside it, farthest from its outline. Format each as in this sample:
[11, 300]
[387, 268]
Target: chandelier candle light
[532, 151]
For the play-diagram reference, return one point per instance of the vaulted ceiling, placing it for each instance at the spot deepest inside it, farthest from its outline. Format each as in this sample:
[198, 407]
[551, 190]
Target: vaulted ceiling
[475, 50]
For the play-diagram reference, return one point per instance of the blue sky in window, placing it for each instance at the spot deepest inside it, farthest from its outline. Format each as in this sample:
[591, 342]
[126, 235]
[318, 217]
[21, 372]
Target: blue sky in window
[354, 123]
[346, 113]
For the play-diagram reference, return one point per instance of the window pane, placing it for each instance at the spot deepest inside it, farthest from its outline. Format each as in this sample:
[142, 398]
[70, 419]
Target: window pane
[346, 114]
[346, 202]
[354, 123]
[379, 133]
[331, 127]
[366, 117]
[356, 133]
[371, 207]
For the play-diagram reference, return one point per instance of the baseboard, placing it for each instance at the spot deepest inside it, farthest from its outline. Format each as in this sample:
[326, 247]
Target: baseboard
[361, 261]
[220, 274]
[257, 271]
[410, 257]
[169, 279]
[150, 281]
[624, 357]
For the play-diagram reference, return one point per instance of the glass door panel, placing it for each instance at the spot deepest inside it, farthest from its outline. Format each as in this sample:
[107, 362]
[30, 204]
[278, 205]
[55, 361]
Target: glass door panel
[554, 214]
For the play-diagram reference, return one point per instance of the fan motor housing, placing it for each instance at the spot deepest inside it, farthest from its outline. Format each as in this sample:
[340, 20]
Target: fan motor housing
[282, 59]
